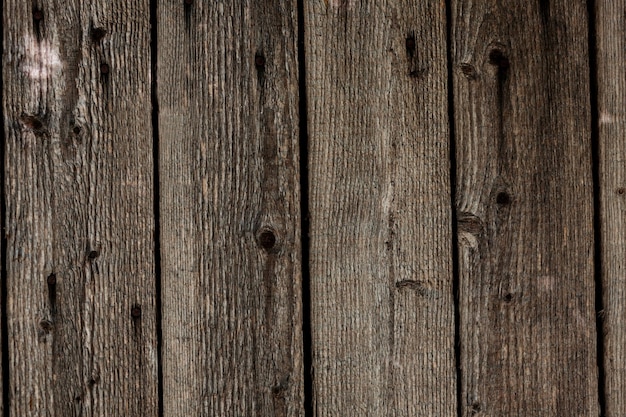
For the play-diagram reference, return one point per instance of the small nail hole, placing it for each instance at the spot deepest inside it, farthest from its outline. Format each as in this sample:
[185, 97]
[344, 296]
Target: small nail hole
[104, 68]
[76, 130]
[135, 312]
[259, 61]
[37, 15]
[188, 2]
[503, 199]
[93, 254]
[52, 279]
[621, 191]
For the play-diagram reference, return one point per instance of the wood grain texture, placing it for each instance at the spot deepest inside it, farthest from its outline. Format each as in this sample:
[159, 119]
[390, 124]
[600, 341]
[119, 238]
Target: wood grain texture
[230, 208]
[611, 67]
[381, 263]
[525, 208]
[79, 208]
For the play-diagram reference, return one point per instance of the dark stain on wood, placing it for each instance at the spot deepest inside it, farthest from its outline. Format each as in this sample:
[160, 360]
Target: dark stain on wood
[97, 34]
[415, 285]
[45, 328]
[475, 408]
[416, 69]
[135, 312]
[105, 71]
[410, 45]
[259, 64]
[188, 5]
[279, 392]
[418, 73]
[52, 294]
[35, 123]
[269, 288]
[38, 22]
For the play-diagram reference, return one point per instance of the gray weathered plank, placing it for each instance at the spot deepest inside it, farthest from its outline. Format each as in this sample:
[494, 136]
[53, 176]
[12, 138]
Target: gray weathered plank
[228, 120]
[525, 207]
[611, 67]
[79, 208]
[381, 263]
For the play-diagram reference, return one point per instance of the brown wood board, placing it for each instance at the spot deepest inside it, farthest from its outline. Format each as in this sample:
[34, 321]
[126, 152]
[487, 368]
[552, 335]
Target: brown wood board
[79, 209]
[230, 208]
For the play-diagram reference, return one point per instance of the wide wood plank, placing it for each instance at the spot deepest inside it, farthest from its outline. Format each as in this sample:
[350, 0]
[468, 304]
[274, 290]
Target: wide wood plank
[611, 67]
[80, 265]
[381, 263]
[228, 120]
[525, 208]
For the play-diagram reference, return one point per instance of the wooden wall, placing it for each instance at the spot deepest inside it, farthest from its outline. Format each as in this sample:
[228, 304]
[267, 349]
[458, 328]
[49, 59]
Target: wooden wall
[313, 208]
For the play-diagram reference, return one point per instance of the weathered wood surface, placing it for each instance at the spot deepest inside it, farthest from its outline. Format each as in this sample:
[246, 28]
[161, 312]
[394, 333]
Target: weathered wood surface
[230, 211]
[81, 273]
[380, 258]
[79, 208]
[525, 208]
[611, 67]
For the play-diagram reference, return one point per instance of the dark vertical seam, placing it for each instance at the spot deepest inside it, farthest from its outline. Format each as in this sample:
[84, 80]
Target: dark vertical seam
[597, 224]
[304, 219]
[156, 202]
[455, 240]
[4, 322]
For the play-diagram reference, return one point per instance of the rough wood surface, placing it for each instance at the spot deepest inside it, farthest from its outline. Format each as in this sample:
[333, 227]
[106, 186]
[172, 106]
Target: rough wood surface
[381, 264]
[228, 120]
[79, 208]
[611, 67]
[525, 207]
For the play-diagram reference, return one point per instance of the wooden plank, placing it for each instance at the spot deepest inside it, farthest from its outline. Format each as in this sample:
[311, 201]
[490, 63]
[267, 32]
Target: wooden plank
[381, 263]
[525, 208]
[80, 265]
[611, 67]
[231, 252]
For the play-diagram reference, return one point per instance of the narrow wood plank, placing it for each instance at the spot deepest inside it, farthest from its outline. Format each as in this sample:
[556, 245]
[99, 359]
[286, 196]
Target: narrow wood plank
[611, 67]
[231, 252]
[525, 207]
[381, 263]
[79, 208]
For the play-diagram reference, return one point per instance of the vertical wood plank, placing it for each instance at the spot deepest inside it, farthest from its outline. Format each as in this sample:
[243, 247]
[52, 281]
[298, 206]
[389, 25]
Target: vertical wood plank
[80, 301]
[525, 207]
[228, 123]
[381, 263]
[611, 67]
